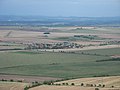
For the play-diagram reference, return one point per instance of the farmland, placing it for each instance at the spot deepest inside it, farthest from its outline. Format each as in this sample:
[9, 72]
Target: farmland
[85, 84]
[12, 86]
[52, 64]
[82, 52]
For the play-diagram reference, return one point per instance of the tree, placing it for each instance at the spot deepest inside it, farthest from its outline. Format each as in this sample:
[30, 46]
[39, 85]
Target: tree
[96, 88]
[63, 83]
[82, 84]
[66, 83]
[72, 84]
[103, 85]
[11, 80]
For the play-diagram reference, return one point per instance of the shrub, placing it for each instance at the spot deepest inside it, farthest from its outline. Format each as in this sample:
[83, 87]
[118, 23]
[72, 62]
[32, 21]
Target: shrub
[82, 84]
[19, 80]
[3, 80]
[48, 82]
[11, 80]
[26, 88]
[96, 88]
[99, 85]
[72, 84]
[103, 85]
[94, 85]
[36, 82]
[66, 83]
[63, 83]
[91, 85]
[112, 86]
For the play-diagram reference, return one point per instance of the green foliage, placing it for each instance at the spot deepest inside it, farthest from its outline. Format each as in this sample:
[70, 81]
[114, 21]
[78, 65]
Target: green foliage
[82, 84]
[96, 88]
[48, 82]
[72, 84]
[11, 80]
[34, 84]
[103, 85]
[26, 88]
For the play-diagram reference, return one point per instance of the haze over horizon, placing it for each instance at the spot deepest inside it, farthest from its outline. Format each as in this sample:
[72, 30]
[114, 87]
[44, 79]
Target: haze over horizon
[79, 8]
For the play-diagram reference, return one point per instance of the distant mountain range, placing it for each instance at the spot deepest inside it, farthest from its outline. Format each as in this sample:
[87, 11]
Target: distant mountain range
[59, 21]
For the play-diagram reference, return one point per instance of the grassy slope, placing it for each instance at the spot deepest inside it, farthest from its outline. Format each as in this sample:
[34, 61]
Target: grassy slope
[59, 64]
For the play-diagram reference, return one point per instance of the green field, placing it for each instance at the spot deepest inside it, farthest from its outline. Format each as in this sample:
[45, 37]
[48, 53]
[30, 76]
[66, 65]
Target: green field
[111, 51]
[65, 65]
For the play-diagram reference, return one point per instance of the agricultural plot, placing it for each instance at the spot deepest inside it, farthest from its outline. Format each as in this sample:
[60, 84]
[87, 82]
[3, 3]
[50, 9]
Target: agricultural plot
[108, 82]
[95, 58]
[60, 88]
[12, 85]
[96, 83]
[84, 37]
[63, 65]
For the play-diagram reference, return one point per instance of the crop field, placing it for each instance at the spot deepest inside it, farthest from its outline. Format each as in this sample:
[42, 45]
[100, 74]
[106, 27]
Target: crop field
[45, 87]
[63, 65]
[110, 51]
[97, 56]
[107, 81]
[12, 86]
[110, 83]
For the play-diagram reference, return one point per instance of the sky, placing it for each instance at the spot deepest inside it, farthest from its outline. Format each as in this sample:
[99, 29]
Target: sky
[81, 8]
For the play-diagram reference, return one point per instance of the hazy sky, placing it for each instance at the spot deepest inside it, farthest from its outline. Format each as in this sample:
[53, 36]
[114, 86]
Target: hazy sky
[83, 8]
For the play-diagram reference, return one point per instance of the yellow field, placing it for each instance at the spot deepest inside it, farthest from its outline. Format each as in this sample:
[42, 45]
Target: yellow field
[61, 88]
[12, 86]
[45, 87]
[107, 81]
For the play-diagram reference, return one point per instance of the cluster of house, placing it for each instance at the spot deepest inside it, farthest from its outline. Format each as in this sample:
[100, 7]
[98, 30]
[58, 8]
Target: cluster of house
[61, 45]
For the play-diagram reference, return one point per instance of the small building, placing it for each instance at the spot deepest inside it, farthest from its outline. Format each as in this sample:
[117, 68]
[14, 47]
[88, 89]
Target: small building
[46, 33]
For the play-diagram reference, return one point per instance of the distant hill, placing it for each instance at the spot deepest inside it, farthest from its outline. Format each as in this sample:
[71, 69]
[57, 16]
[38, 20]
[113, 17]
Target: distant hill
[59, 21]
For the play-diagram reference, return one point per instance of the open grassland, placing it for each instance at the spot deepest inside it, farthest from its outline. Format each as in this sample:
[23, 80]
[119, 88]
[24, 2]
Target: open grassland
[64, 65]
[12, 86]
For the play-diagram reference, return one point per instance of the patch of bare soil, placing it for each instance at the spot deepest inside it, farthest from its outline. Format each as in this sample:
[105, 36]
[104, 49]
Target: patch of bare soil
[116, 56]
